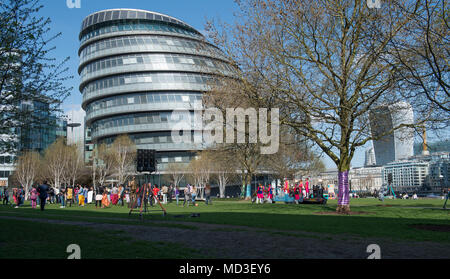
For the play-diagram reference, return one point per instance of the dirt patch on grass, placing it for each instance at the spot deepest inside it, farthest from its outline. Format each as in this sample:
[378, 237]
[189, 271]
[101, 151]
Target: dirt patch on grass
[430, 227]
[349, 213]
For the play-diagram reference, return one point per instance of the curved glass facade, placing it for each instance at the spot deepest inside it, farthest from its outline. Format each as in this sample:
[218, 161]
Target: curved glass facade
[136, 67]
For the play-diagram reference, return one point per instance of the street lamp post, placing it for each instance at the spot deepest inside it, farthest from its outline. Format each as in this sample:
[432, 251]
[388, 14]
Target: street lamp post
[73, 125]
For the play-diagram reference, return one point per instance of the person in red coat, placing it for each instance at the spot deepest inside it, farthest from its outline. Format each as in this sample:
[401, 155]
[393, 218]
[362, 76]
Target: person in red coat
[307, 187]
[297, 191]
[270, 192]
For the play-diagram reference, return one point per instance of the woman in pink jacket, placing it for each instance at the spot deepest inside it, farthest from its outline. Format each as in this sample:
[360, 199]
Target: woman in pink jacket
[33, 197]
[307, 187]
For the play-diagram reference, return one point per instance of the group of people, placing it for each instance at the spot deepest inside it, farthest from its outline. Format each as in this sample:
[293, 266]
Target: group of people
[190, 195]
[165, 194]
[38, 194]
[299, 191]
[41, 194]
[103, 197]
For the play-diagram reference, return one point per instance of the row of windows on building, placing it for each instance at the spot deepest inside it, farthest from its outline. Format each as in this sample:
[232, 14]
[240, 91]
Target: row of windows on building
[162, 78]
[138, 119]
[5, 174]
[157, 61]
[144, 98]
[138, 25]
[122, 14]
[6, 160]
[159, 42]
[148, 138]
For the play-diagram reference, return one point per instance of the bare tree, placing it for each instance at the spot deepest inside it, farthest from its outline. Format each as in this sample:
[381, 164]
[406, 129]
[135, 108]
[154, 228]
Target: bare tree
[294, 156]
[325, 65]
[423, 55]
[75, 164]
[56, 160]
[200, 170]
[104, 163]
[224, 169]
[123, 151]
[27, 169]
[176, 173]
[226, 95]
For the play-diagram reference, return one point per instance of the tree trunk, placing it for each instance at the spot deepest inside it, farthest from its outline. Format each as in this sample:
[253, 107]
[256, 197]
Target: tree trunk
[343, 194]
[221, 186]
[244, 187]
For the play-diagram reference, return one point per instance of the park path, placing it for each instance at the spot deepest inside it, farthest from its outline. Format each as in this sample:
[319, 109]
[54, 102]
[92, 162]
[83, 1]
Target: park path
[240, 242]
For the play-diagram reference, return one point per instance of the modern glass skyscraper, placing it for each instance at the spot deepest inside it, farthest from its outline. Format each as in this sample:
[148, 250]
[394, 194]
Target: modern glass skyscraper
[399, 144]
[136, 68]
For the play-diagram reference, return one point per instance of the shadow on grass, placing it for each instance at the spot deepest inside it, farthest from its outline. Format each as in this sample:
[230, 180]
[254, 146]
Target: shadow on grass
[34, 240]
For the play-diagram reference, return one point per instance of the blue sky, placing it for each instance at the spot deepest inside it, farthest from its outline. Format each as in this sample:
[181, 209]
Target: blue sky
[193, 12]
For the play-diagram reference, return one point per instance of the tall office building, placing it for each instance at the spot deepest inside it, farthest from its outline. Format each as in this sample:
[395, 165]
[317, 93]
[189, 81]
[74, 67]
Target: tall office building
[136, 68]
[33, 135]
[370, 157]
[397, 145]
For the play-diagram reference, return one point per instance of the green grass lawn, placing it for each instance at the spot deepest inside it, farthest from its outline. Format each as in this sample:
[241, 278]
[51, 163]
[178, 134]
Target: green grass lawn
[392, 221]
[28, 240]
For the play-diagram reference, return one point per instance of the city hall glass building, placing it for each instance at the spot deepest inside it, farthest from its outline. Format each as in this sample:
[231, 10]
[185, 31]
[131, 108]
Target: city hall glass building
[137, 67]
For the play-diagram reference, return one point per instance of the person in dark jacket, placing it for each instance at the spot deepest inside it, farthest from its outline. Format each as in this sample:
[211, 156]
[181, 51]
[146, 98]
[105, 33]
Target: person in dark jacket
[43, 194]
[5, 197]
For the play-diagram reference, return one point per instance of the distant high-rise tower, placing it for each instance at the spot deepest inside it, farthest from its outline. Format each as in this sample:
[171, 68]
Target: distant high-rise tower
[399, 144]
[370, 157]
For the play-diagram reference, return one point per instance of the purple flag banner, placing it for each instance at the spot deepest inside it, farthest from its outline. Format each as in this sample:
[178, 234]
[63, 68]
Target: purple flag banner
[343, 195]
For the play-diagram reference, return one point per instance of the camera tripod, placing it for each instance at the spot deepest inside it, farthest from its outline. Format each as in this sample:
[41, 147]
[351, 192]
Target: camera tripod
[141, 195]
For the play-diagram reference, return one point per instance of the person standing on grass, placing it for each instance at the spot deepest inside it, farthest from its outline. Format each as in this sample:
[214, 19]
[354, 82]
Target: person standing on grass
[16, 197]
[302, 189]
[127, 196]
[33, 197]
[120, 195]
[98, 198]
[170, 193]
[307, 187]
[164, 191]
[208, 194]
[62, 197]
[114, 195]
[22, 195]
[177, 193]
[193, 193]
[270, 193]
[69, 195]
[155, 192]
[187, 195]
[259, 194]
[56, 194]
[43, 194]
[105, 200]
[446, 198]
[5, 197]
[75, 194]
[81, 197]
